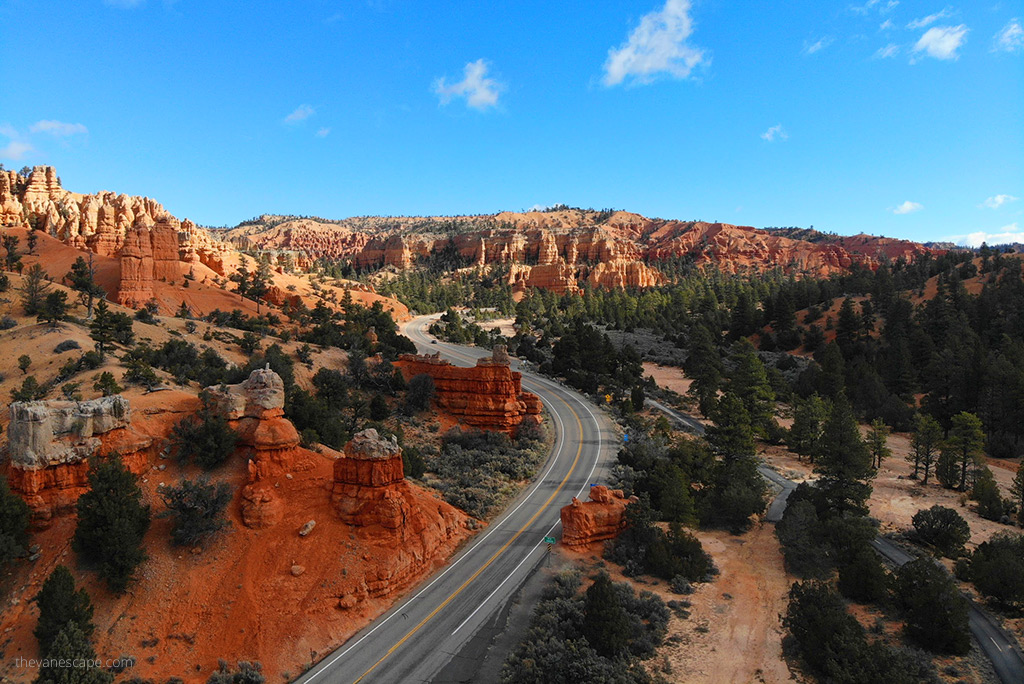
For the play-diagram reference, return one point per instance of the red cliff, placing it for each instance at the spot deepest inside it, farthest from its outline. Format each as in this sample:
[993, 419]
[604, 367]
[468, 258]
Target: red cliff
[488, 396]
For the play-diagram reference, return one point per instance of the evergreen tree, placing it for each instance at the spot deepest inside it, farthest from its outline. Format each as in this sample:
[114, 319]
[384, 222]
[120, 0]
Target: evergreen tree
[925, 443]
[936, 611]
[72, 660]
[54, 308]
[832, 378]
[605, 624]
[877, 443]
[60, 603]
[808, 426]
[1017, 494]
[197, 508]
[379, 408]
[14, 522]
[844, 461]
[205, 438]
[112, 520]
[33, 289]
[12, 256]
[732, 435]
[704, 365]
[966, 444]
[261, 281]
[749, 381]
[82, 278]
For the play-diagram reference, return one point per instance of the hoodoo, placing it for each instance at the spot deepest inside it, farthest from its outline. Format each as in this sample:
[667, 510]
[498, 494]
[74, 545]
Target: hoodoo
[600, 518]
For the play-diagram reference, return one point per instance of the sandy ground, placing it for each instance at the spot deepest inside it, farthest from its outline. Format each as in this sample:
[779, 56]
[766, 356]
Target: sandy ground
[733, 632]
[503, 325]
[668, 377]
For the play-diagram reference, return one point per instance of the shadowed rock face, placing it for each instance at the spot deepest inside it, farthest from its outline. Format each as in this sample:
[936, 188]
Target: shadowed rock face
[488, 396]
[600, 518]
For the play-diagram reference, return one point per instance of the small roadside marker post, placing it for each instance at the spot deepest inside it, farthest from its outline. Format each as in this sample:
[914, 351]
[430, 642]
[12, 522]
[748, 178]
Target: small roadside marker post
[550, 541]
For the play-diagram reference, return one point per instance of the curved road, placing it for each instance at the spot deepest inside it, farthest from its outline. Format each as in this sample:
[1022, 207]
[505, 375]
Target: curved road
[414, 640]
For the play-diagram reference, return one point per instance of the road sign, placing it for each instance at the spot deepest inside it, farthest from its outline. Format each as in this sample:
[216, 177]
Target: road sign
[549, 540]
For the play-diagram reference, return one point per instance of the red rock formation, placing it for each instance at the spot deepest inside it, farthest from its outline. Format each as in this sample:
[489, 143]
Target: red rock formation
[255, 409]
[488, 396]
[50, 443]
[365, 479]
[600, 518]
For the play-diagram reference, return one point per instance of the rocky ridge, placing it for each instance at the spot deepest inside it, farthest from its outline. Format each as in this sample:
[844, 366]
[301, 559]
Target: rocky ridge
[488, 396]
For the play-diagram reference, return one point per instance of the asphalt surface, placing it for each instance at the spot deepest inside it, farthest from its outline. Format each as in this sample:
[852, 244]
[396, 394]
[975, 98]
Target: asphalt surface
[414, 640]
[995, 642]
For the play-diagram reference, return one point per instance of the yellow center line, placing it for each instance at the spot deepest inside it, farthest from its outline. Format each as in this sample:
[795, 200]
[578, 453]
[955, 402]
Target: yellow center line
[579, 450]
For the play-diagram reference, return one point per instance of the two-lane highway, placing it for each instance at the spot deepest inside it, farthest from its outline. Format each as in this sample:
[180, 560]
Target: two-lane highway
[420, 634]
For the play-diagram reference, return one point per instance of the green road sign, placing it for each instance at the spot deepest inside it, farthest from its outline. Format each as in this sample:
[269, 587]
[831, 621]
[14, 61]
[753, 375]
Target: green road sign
[549, 540]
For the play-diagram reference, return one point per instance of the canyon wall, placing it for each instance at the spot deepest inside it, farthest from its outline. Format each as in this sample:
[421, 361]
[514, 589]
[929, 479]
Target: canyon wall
[488, 396]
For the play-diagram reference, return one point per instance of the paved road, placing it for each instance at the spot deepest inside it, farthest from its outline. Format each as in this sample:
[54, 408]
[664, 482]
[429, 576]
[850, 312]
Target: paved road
[419, 635]
[998, 645]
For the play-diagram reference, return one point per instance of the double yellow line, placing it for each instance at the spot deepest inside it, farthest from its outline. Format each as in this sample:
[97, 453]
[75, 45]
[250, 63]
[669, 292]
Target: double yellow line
[579, 451]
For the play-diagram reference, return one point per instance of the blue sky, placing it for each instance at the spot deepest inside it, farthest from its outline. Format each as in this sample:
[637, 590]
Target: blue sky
[898, 118]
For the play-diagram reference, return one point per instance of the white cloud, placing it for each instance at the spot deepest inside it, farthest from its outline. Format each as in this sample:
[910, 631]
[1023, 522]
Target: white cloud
[1010, 38]
[479, 91]
[15, 150]
[657, 46]
[821, 44]
[883, 8]
[942, 42]
[301, 113]
[57, 128]
[776, 132]
[1006, 234]
[928, 21]
[908, 207]
[890, 50]
[323, 132]
[997, 201]
[886, 25]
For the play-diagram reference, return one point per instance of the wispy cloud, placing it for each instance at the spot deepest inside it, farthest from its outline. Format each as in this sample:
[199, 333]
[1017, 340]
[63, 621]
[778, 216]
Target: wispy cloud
[323, 132]
[1001, 236]
[124, 4]
[776, 132]
[908, 207]
[301, 113]
[820, 44]
[58, 128]
[17, 147]
[875, 5]
[997, 201]
[921, 22]
[942, 42]
[890, 50]
[886, 25]
[656, 46]
[1010, 38]
[479, 91]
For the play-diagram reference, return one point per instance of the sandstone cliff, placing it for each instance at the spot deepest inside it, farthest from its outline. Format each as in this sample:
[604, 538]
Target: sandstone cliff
[488, 396]
[50, 442]
[600, 518]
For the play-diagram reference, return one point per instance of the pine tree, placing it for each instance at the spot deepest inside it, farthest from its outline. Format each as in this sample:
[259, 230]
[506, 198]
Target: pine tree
[54, 308]
[704, 365]
[14, 521]
[12, 256]
[808, 426]
[749, 381]
[112, 520]
[844, 461]
[732, 435]
[59, 603]
[605, 623]
[33, 289]
[82, 278]
[1017, 494]
[197, 508]
[108, 327]
[925, 443]
[877, 442]
[72, 660]
[966, 443]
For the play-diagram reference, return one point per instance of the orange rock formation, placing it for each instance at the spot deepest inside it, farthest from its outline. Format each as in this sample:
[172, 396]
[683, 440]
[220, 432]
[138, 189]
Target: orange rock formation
[50, 443]
[600, 518]
[488, 396]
